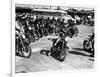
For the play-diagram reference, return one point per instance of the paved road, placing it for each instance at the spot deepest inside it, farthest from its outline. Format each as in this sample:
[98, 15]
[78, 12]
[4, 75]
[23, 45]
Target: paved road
[77, 58]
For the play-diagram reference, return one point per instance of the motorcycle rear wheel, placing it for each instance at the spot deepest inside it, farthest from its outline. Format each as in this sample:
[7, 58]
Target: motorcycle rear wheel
[86, 45]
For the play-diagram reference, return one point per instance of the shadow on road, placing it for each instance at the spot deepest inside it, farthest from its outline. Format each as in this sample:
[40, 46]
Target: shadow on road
[78, 49]
[21, 72]
[78, 53]
[91, 59]
[45, 52]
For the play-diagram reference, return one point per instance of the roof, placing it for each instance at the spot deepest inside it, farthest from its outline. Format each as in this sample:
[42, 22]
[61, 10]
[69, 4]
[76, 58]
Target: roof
[48, 10]
[22, 10]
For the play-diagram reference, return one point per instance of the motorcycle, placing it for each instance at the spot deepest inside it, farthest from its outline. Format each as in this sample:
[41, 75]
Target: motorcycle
[22, 45]
[28, 30]
[59, 50]
[49, 28]
[34, 32]
[76, 31]
[31, 35]
[44, 30]
[37, 27]
[88, 45]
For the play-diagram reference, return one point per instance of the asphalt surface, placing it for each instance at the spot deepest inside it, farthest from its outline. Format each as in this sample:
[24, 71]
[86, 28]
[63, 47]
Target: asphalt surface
[76, 59]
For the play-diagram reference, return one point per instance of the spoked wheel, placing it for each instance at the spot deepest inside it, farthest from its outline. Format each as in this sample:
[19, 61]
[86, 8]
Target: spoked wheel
[18, 48]
[45, 32]
[36, 35]
[32, 38]
[26, 52]
[27, 38]
[18, 52]
[39, 31]
[87, 45]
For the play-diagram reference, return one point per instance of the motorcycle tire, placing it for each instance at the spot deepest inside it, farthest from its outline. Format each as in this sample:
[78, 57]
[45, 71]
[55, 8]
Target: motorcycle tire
[86, 45]
[45, 32]
[28, 39]
[18, 52]
[27, 52]
[40, 33]
[50, 30]
[62, 56]
[36, 35]
[33, 39]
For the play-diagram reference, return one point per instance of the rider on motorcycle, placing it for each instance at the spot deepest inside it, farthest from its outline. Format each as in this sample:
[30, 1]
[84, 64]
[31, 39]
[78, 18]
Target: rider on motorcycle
[60, 48]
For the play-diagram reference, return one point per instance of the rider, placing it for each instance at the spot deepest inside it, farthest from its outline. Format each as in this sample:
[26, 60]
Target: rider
[71, 27]
[48, 20]
[53, 20]
[57, 42]
[62, 23]
[41, 20]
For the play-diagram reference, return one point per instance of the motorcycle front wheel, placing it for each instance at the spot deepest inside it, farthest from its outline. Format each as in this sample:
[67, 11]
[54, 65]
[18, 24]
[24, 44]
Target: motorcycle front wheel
[45, 32]
[36, 35]
[26, 52]
[63, 55]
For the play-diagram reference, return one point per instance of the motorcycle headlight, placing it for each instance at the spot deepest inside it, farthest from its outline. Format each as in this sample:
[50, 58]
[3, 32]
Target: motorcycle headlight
[23, 36]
